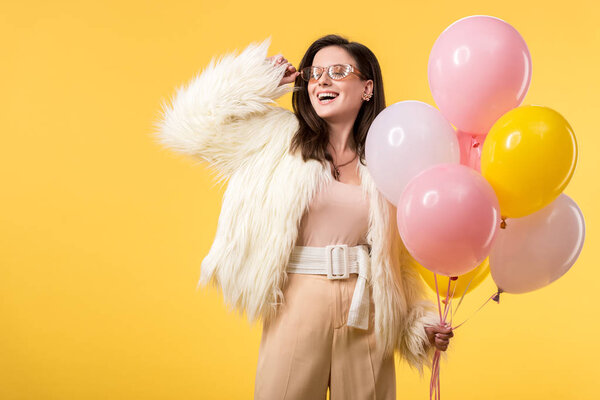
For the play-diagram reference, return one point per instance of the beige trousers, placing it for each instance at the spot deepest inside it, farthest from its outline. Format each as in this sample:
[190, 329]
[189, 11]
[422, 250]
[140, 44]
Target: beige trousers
[307, 347]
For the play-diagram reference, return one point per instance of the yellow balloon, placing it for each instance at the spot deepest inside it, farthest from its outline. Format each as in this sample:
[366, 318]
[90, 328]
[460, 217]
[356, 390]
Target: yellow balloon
[528, 156]
[457, 287]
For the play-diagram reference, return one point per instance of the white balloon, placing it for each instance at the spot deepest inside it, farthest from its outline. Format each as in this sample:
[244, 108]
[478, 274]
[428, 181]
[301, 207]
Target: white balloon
[535, 250]
[405, 139]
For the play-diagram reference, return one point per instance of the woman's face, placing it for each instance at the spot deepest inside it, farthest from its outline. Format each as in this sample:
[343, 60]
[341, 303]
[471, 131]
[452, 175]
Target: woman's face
[347, 103]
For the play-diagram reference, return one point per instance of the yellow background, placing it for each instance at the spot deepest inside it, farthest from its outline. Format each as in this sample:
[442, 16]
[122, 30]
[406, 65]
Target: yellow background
[103, 231]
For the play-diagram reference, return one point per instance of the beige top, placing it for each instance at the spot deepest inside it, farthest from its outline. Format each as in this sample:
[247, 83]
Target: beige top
[338, 214]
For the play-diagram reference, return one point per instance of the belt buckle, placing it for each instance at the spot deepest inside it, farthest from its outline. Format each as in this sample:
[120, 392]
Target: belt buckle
[330, 274]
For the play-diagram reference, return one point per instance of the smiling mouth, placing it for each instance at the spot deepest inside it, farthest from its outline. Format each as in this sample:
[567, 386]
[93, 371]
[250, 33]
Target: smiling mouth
[327, 100]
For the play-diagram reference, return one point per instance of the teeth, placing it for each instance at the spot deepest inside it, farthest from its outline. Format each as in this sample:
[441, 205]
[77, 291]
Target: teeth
[321, 95]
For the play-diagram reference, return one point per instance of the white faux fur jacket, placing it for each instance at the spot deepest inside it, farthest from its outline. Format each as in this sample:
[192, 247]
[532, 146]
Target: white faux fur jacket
[226, 116]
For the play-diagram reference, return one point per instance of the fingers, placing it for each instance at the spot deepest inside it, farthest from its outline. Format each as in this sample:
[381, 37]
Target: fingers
[443, 329]
[290, 73]
[280, 59]
[290, 70]
[441, 344]
[442, 341]
[276, 59]
[294, 75]
[444, 333]
[442, 336]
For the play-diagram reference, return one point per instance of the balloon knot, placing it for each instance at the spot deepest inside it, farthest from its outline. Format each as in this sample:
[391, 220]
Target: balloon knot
[453, 278]
[496, 297]
[503, 223]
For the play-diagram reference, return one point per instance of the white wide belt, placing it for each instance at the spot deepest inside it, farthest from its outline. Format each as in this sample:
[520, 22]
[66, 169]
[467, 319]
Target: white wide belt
[338, 262]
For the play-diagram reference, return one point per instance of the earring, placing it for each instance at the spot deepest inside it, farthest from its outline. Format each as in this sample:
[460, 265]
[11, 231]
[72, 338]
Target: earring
[366, 96]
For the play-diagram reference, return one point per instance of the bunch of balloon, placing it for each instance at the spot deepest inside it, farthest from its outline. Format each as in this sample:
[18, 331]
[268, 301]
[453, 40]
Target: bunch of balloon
[454, 189]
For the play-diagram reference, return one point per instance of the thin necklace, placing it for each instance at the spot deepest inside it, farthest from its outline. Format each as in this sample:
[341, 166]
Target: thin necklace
[336, 168]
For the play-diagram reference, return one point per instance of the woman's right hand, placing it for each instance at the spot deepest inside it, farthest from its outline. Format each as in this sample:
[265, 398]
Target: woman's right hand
[290, 73]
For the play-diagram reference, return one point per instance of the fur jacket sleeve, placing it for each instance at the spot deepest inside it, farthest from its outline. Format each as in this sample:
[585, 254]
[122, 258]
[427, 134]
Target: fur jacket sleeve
[226, 116]
[220, 115]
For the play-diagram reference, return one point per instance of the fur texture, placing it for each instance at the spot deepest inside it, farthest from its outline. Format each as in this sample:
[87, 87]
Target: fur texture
[227, 117]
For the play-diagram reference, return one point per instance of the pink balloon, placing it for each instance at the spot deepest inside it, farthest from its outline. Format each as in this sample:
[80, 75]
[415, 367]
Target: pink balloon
[448, 217]
[404, 139]
[470, 149]
[535, 250]
[479, 68]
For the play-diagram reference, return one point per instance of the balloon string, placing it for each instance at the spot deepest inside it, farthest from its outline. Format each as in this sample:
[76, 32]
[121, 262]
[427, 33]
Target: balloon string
[451, 297]
[454, 289]
[491, 297]
[436, 376]
[439, 390]
[448, 302]
[437, 291]
[434, 365]
[434, 384]
[463, 295]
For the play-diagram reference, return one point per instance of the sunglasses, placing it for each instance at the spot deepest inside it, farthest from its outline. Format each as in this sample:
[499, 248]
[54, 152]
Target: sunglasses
[335, 72]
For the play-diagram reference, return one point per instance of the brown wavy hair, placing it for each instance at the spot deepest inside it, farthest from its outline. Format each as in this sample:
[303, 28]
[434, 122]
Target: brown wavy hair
[312, 135]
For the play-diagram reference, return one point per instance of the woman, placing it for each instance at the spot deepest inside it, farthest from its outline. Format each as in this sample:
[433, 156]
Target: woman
[305, 241]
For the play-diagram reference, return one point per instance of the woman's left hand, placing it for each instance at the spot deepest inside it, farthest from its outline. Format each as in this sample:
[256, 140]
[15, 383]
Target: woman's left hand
[439, 336]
